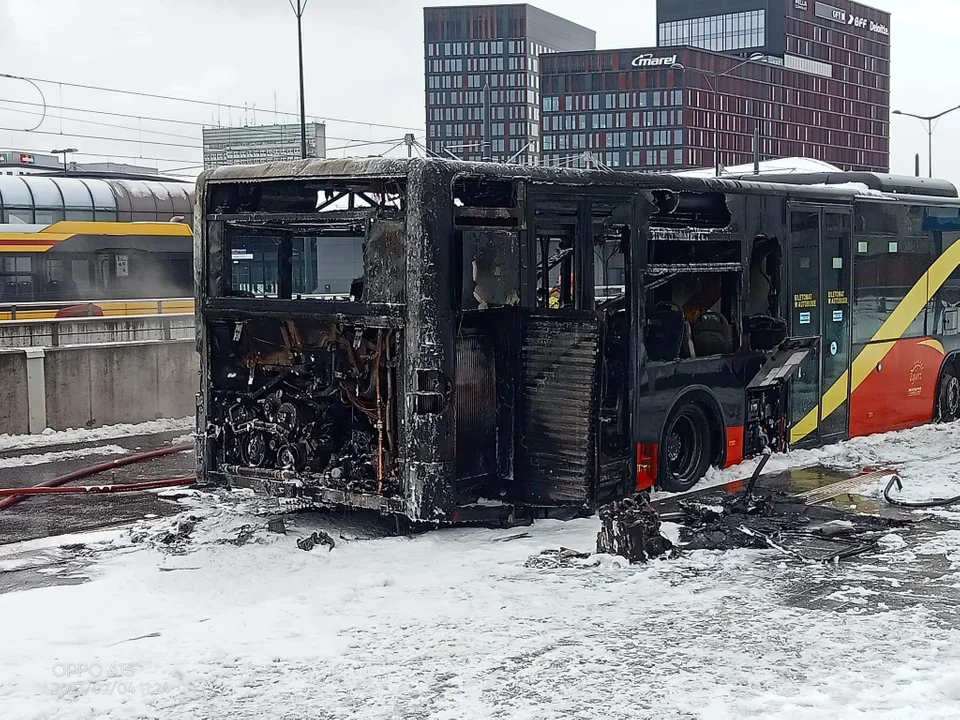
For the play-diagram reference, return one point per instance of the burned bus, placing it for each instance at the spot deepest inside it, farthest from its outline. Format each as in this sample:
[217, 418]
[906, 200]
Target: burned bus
[450, 341]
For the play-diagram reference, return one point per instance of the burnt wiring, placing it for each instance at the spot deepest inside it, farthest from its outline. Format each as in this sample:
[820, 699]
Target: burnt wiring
[319, 402]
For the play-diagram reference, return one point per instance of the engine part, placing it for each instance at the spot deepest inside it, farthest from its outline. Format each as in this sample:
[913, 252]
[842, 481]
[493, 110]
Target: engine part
[255, 449]
[322, 401]
[292, 456]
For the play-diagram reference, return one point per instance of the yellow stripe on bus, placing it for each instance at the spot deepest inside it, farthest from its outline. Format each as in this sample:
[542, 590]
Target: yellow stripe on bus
[892, 329]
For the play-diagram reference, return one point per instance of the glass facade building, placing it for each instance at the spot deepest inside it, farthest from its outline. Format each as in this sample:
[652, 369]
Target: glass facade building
[822, 89]
[469, 49]
[723, 33]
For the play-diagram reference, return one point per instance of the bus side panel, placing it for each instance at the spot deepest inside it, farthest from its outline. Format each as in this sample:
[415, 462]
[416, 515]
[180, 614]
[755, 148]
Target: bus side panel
[724, 379]
[894, 385]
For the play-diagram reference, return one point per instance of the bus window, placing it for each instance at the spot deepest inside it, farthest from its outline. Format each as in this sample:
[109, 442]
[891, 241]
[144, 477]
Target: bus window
[255, 261]
[611, 240]
[885, 269]
[561, 245]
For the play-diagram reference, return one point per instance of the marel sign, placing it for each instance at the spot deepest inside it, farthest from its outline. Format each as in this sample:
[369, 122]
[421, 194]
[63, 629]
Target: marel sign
[646, 61]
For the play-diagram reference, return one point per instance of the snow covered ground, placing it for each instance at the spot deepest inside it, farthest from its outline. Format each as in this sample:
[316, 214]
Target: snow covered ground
[215, 617]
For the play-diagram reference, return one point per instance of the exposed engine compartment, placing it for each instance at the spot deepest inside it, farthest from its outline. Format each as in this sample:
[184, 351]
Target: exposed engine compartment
[313, 399]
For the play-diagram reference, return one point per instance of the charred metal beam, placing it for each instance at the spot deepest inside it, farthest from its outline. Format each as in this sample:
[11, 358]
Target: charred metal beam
[661, 269]
[331, 201]
[383, 316]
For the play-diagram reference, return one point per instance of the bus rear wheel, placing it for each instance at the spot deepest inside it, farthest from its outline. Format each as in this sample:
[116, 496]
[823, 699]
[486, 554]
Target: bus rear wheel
[948, 397]
[686, 448]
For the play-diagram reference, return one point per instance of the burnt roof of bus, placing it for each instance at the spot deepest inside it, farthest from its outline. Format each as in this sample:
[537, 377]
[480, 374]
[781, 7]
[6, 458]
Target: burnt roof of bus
[827, 186]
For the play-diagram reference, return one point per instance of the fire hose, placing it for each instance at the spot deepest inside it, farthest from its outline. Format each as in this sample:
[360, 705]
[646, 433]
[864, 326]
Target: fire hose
[54, 485]
[936, 503]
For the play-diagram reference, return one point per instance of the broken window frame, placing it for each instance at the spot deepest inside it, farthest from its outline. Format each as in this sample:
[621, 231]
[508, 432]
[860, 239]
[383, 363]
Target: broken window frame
[365, 210]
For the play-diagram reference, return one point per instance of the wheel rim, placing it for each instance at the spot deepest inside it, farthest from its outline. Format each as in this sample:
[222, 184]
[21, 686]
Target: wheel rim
[952, 397]
[683, 449]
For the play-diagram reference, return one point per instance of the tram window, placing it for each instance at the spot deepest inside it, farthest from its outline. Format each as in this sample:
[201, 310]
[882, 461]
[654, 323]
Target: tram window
[53, 283]
[80, 275]
[883, 274]
[17, 264]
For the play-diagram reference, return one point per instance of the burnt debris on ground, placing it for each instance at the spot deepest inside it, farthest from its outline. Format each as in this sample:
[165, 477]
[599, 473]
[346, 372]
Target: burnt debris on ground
[631, 528]
[781, 522]
[797, 526]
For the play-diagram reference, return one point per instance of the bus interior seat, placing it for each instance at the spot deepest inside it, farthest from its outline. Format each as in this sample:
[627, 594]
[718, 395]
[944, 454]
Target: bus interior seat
[9, 292]
[765, 332]
[713, 335]
[665, 332]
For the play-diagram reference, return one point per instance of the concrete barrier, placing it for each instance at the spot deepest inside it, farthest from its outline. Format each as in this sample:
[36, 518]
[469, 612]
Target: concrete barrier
[14, 410]
[94, 385]
[95, 330]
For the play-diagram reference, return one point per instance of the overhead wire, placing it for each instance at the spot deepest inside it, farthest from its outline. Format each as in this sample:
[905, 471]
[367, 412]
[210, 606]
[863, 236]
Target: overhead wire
[206, 103]
[148, 131]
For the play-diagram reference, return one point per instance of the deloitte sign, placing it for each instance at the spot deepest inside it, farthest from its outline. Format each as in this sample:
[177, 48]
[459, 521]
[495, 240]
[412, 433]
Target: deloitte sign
[649, 61]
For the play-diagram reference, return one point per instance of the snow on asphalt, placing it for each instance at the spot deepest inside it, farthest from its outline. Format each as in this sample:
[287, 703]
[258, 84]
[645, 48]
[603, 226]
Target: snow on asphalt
[459, 624]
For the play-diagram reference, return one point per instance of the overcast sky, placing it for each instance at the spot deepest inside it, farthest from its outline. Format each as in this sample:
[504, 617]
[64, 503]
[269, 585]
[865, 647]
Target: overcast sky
[364, 62]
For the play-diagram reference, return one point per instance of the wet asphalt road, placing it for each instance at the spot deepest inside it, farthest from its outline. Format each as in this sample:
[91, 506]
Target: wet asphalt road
[44, 516]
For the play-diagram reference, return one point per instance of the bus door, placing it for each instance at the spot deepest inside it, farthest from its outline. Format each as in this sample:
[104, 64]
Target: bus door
[819, 281]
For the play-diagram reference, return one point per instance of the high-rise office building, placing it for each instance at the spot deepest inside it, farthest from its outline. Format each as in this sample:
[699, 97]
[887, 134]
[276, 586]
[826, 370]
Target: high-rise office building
[470, 48]
[818, 87]
[253, 144]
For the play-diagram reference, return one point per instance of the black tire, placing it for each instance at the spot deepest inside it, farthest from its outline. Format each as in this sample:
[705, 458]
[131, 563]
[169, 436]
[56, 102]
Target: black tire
[685, 449]
[948, 397]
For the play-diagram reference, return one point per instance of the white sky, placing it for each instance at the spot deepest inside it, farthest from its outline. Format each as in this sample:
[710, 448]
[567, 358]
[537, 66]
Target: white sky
[364, 61]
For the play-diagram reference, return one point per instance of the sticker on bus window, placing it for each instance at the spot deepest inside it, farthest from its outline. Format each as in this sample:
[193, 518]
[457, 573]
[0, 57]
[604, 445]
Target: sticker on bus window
[834, 348]
[863, 247]
[804, 318]
[838, 263]
[838, 315]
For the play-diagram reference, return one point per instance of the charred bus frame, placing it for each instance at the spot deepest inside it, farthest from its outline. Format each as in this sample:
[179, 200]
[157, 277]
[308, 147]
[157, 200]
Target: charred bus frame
[474, 366]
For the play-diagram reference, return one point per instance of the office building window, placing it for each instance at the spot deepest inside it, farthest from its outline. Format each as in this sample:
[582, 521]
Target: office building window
[722, 33]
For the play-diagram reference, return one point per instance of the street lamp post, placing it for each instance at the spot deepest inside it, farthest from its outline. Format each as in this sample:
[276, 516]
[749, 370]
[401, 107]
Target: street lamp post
[715, 89]
[929, 121]
[64, 152]
[299, 10]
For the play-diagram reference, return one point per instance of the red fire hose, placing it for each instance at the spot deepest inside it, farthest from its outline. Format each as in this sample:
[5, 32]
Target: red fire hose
[14, 495]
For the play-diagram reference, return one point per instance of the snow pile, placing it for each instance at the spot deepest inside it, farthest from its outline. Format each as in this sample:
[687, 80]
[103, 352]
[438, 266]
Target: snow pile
[83, 435]
[52, 457]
